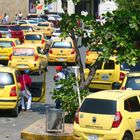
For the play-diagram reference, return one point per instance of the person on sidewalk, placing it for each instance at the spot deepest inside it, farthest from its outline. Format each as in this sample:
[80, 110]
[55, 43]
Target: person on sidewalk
[57, 77]
[25, 81]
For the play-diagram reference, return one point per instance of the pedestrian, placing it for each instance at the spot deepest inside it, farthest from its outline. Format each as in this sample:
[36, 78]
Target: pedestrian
[16, 18]
[57, 77]
[66, 70]
[5, 19]
[20, 15]
[25, 81]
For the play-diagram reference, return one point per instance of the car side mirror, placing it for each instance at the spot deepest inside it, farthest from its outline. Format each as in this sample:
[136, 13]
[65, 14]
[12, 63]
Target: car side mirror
[116, 85]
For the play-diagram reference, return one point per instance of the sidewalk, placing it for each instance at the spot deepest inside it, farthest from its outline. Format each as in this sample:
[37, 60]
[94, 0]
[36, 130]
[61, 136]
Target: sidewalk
[37, 131]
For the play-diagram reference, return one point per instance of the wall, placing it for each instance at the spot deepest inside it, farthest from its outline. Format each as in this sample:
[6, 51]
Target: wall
[11, 7]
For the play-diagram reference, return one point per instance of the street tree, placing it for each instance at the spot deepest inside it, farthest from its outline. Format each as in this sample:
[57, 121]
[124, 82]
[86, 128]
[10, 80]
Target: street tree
[118, 35]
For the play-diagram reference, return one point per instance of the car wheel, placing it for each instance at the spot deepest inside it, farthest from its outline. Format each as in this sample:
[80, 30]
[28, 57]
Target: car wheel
[127, 136]
[15, 111]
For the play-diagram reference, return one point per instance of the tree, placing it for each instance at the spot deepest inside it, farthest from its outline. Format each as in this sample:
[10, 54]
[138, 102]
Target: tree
[120, 34]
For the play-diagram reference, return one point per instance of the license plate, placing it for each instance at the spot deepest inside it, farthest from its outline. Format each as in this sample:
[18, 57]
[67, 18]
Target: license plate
[61, 59]
[92, 137]
[3, 56]
[22, 66]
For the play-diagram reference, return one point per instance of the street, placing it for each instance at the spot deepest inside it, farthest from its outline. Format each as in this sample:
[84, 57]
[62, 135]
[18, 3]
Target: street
[11, 127]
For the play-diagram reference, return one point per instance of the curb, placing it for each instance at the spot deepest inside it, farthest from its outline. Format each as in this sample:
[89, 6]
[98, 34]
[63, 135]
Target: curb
[36, 131]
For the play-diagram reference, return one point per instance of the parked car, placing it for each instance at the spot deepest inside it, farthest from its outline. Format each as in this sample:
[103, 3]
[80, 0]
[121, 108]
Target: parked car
[130, 82]
[10, 88]
[13, 31]
[26, 28]
[62, 50]
[109, 73]
[56, 33]
[91, 57]
[28, 56]
[37, 38]
[46, 28]
[108, 115]
[6, 48]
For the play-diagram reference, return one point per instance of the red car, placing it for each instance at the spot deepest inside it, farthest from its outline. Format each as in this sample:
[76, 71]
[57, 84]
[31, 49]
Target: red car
[14, 31]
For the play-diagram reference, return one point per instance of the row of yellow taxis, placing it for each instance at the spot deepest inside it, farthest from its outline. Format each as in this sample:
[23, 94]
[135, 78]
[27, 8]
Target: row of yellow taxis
[34, 54]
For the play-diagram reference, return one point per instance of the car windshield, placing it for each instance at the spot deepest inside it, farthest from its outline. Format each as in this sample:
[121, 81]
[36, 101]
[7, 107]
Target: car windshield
[133, 83]
[23, 52]
[15, 28]
[5, 44]
[33, 37]
[6, 78]
[62, 45]
[26, 28]
[98, 106]
[45, 25]
[32, 22]
[3, 29]
[126, 67]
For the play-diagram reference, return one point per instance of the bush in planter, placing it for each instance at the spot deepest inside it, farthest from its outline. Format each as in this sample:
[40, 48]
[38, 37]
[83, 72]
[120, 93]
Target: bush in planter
[69, 97]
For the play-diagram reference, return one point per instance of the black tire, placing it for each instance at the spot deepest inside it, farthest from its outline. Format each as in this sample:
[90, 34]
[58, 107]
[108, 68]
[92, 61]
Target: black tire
[127, 136]
[15, 111]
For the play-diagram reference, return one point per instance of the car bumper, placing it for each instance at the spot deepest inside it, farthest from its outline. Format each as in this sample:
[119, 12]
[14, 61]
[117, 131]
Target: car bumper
[70, 59]
[84, 134]
[8, 104]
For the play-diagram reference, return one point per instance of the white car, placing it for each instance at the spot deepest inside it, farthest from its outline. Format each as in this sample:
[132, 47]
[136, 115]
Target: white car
[56, 33]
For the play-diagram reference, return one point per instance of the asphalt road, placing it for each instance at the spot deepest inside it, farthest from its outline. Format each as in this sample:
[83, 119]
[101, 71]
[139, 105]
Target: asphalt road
[11, 127]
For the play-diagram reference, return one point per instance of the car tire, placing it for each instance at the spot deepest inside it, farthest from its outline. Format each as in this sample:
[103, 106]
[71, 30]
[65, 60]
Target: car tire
[15, 111]
[127, 136]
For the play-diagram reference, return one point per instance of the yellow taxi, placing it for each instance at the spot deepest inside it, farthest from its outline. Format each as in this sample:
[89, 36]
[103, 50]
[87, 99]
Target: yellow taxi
[46, 28]
[91, 57]
[27, 28]
[28, 56]
[37, 38]
[10, 90]
[109, 73]
[6, 47]
[131, 81]
[62, 50]
[108, 115]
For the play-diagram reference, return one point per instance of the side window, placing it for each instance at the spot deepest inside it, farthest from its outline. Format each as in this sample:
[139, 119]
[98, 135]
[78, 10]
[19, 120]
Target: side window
[109, 65]
[132, 104]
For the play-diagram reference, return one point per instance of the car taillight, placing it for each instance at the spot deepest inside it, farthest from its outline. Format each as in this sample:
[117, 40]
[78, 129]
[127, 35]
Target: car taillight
[50, 51]
[117, 120]
[35, 57]
[77, 116]
[10, 57]
[43, 41]
[87, 52]
[73, 51]
[122, 75]
[13, 91]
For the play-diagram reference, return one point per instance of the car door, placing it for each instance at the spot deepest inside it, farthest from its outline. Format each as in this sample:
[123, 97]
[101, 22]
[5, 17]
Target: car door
[38, 87]
[106, 75]
[132, 108]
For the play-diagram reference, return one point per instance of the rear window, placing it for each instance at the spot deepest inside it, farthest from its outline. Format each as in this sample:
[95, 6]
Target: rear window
[6, 78]
[26, 28]
[133, 82]
[15, 28]
[3, 28]
[99, 106]
[126, 67]
[62, 45]
[33, 37]
[5, 44]
[23, 52]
